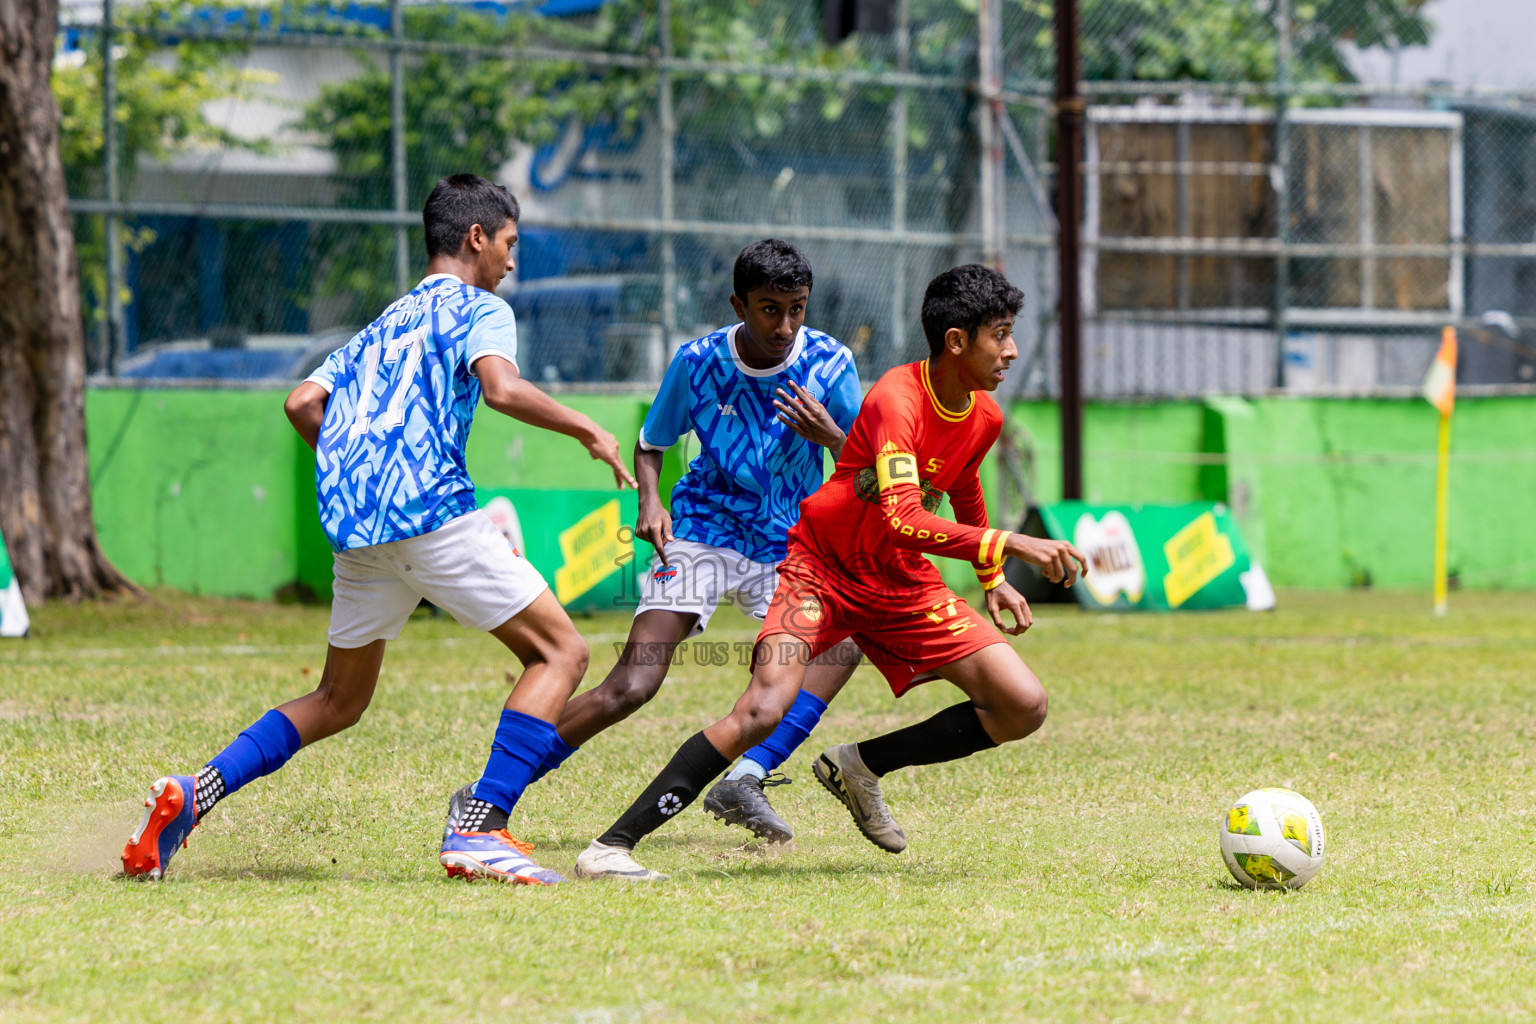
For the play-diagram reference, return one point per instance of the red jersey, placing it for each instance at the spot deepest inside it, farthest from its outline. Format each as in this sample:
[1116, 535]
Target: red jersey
[871, 523]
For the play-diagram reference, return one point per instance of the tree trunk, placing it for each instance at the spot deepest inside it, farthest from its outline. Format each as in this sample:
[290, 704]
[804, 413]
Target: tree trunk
[45, 487]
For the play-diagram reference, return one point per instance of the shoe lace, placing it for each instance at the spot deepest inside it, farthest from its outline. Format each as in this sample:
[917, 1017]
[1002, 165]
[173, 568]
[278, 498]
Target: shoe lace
[777, 779]
[522, 846]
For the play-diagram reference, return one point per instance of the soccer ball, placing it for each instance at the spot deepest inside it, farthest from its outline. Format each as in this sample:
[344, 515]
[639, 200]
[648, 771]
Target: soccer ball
[1272, 839]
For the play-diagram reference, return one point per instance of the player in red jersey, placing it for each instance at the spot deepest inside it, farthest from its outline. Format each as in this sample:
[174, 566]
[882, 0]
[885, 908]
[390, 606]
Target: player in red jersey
[855, 567]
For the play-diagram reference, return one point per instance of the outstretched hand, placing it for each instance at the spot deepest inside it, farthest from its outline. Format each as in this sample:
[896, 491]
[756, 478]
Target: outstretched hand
[1058, 560]
[604, 447]
[799, 410]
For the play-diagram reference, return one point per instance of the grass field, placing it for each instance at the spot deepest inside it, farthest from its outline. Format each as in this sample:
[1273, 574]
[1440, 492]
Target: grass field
[1071, 877]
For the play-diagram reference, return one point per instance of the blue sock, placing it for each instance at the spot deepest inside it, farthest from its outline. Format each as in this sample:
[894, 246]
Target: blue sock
[260, 750]
[559, 752]
[522, 742]
[792, 731]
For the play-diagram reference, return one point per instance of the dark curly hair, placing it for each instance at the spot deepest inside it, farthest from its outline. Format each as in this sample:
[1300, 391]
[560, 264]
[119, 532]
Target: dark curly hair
[773, 264]
[459, 202]
[966, 297]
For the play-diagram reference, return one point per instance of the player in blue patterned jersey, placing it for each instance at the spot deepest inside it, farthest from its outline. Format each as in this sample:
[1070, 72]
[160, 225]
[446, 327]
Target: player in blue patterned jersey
[765, 397]
[388, 416]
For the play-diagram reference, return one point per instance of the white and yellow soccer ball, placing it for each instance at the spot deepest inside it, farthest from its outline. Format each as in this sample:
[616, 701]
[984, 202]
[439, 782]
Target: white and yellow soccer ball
[1272, 839]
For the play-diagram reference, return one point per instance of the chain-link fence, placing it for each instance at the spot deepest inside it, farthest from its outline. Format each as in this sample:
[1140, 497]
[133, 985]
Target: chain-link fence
[1252, 218]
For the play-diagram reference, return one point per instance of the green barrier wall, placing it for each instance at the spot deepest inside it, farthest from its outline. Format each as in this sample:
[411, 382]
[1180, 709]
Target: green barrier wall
[196, 489]
[212, 492]
[1342, 491]
[1329, 492]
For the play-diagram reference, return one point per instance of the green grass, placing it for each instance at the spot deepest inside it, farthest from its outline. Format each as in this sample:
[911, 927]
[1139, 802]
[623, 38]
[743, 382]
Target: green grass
[1071, 877]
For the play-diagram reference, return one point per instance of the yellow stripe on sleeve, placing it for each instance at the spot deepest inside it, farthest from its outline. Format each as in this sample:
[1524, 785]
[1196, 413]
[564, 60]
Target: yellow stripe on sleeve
[986, 542]
[991, 580]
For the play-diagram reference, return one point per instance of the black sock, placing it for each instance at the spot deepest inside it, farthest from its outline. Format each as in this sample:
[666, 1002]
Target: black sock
[481, 816]
[951, 734]
[693, 767]
[208, 790]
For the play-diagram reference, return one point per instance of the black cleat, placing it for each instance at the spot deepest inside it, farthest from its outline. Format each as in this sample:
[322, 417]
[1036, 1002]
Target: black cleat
[742, 802]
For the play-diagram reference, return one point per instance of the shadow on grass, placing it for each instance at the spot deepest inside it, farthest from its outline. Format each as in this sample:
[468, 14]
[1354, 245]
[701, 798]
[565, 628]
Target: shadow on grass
[1232, 886]
[741, 871]
[266, 873]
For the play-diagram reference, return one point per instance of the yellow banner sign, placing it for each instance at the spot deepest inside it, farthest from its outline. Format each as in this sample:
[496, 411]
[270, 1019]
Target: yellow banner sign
[1196, 555]
[593, 550]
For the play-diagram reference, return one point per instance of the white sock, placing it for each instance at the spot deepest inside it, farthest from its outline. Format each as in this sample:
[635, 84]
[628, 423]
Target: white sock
[746, 766]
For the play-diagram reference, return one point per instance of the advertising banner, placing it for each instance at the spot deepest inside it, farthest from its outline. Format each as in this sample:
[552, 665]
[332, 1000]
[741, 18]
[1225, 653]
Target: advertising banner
[13, 611]
[1160, 557]
[581, 541]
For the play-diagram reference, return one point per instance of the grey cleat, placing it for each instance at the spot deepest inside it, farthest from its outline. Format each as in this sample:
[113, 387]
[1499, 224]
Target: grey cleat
[599, 860]
[743, 802]
[841, 770]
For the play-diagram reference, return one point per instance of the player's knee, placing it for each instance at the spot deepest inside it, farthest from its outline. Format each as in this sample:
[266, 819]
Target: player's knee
[627, 692]
[567, 656]
[577, 657]
[1036, 706]
[758, 714]
[1025, 710]
[342, 711]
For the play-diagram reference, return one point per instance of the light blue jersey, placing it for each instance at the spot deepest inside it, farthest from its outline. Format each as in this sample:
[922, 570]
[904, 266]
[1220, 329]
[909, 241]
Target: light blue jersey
[744, 489]
[390, 463]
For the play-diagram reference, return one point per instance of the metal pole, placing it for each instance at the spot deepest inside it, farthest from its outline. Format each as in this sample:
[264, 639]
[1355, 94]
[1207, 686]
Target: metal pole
[668, 191]
[895, 347]
[397, 143]
[989, 28]
[1069, 155]
[112, 340]
[1279, 181]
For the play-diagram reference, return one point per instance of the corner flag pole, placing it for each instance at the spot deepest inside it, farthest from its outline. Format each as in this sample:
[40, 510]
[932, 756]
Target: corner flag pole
[1440, 391]
[1441, 480]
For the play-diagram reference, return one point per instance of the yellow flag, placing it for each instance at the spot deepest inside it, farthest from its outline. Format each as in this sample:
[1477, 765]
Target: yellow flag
[1440, 382]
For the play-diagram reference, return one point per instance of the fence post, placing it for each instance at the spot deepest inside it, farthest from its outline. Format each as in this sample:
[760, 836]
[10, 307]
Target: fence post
[989, 27]
[895, 348]
[112, 340]
[397, 143]
[1069, 155]
[668, 172]
[1279, 181]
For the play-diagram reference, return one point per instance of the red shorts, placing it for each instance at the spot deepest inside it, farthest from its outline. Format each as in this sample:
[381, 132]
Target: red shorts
[906, 642]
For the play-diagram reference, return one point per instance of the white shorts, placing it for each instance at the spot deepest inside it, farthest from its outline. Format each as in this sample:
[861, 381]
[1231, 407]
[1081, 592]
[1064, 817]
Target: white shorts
[466, 567]
[698, 577]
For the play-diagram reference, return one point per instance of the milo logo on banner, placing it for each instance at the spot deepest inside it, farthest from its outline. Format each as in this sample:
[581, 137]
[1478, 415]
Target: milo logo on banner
[1114, 560]
[1161, 557]
[13, 612]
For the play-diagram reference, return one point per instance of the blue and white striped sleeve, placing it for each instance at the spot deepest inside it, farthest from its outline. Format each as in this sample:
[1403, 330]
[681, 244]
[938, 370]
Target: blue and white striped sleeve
[845, 395]
[668, 418]
[492, 332]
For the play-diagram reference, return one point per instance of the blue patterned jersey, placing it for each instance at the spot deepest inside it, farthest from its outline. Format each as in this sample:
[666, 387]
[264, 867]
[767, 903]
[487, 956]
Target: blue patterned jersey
[744, 489]
[390, 463]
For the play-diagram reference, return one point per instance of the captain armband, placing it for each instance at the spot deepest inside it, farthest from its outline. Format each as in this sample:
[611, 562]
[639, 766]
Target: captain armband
[895, 467]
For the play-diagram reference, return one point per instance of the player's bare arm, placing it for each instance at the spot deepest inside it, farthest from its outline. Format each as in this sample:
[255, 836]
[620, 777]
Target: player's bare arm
[506, 391]
[305, 408]
[799, 410]
[654, 522]
[1057, 559]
